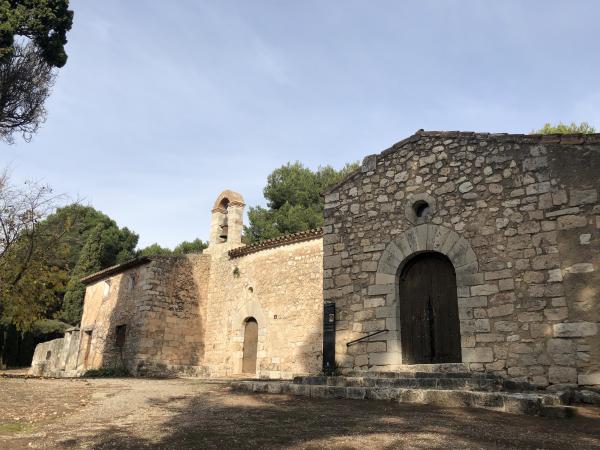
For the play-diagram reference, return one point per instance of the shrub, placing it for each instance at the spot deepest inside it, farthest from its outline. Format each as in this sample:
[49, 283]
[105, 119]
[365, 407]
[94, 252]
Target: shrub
[107, 372]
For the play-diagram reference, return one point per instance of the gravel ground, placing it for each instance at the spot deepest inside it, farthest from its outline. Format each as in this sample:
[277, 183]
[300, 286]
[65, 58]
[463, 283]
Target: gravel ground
[191, 413]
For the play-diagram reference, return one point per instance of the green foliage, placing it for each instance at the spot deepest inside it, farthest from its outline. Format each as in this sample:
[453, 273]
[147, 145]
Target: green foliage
[29, 278]
[27, 294]
[44, 22]
[561, 128]
[195, 246]
[107, 372]
[335, 371]
[49, 326]
[106, 245]
[76, 222]
[154, 249]
[15, 427]
[294, 201]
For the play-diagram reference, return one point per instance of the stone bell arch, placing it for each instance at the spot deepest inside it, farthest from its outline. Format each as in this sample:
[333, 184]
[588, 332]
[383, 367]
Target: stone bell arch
[226, 222]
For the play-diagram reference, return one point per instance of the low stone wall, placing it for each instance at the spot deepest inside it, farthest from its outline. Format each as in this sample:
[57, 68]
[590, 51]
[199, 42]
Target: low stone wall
[57, 358]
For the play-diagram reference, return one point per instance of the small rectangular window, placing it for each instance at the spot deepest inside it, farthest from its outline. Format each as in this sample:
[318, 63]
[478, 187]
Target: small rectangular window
[120, 339]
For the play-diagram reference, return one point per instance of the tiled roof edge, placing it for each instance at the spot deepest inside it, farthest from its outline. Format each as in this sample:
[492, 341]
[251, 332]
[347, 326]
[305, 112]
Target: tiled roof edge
[286, 239]
[112, 270]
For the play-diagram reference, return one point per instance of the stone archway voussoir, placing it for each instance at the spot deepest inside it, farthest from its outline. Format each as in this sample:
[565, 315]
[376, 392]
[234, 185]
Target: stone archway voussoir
[433, 238]
[390, 259]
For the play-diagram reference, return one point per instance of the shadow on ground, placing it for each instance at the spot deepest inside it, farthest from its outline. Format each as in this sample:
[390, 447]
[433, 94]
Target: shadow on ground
[220, 419]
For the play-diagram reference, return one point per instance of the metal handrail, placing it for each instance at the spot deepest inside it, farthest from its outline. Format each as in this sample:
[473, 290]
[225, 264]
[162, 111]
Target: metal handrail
[365, 337]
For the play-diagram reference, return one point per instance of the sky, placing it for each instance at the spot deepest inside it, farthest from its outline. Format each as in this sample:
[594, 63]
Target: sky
[163, 105]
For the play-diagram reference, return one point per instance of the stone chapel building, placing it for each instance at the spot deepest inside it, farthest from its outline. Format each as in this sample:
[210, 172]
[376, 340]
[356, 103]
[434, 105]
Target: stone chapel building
[449, 247]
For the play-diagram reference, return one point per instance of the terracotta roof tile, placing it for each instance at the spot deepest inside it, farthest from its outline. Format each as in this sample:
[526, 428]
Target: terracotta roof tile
[286, 239]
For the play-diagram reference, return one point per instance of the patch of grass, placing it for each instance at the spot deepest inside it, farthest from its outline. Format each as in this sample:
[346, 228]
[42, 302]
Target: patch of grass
[14, 427]
[107, 372]
[335, 371]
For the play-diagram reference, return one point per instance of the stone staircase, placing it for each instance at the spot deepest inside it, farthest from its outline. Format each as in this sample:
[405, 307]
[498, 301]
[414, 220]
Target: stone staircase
[440, 386]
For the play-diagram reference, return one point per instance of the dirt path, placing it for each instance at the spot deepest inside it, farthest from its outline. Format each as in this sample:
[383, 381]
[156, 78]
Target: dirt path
[187, 413]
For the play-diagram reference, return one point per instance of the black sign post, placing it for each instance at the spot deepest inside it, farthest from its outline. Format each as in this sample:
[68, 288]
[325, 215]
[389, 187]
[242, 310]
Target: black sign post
[329, 337]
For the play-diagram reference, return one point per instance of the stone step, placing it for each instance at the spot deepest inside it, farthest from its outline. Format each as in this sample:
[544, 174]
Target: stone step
[537, 404]
[405, 374]
[407, 368]
[408, 383]
[419, 380]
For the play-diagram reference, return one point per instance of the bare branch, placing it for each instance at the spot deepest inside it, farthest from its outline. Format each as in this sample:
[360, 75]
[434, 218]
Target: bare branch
[25, 84]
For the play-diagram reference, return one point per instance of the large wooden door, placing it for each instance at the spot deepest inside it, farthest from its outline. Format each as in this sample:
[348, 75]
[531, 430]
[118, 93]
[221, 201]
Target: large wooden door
[250, 346]
[429, 324]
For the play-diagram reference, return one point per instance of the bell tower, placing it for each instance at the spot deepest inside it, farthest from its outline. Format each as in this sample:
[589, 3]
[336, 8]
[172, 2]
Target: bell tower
[226, 222]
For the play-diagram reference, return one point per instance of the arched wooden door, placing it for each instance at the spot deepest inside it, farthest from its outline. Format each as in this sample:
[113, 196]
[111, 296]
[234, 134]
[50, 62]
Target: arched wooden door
[429, 324]
[250, 346]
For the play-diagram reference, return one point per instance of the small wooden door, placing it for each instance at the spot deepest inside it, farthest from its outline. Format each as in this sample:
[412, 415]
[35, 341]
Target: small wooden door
[250, 346]
[429, 324]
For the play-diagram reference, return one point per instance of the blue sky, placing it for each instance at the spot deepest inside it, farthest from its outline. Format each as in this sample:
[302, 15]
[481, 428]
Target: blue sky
[162, 105]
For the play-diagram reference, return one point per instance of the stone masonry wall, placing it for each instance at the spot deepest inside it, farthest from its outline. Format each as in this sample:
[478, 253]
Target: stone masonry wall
[172, 312]
[160, 304]
[187, 314]
[518, 216]
[282, 289]
[108, 303]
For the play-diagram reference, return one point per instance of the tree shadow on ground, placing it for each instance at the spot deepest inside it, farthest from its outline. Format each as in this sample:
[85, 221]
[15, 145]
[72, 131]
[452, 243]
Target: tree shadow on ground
[220, 419]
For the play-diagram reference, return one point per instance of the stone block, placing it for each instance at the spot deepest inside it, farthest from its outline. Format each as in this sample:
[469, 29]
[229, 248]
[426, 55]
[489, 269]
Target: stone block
[556, 313]
[472, 302]
[580, 268]
[381, 289]
[505, 326]
[356, 393]
[538, 188]
[589, 379]
[484, 289]
[332, 262]
[506, 284]
[477, 355]
[575, 329]
[506, 273]
[580, 197]
[501, 310]
[540, 330]
[534, 163]
[558, 345]
[374, 302]
[561, 374]
[383, 312]
[571, 221]
[342, 280]
[376, 347]
[529, 316]
[544, 262]
[384, 278]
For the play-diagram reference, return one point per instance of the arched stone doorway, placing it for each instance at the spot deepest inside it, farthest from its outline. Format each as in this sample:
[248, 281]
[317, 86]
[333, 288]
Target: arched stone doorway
[250, 346]
[429, 323]
[398, 253]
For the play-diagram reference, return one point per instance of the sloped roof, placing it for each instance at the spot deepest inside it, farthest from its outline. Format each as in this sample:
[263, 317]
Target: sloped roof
[560, 139]
[112, 270]
[286, 239]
